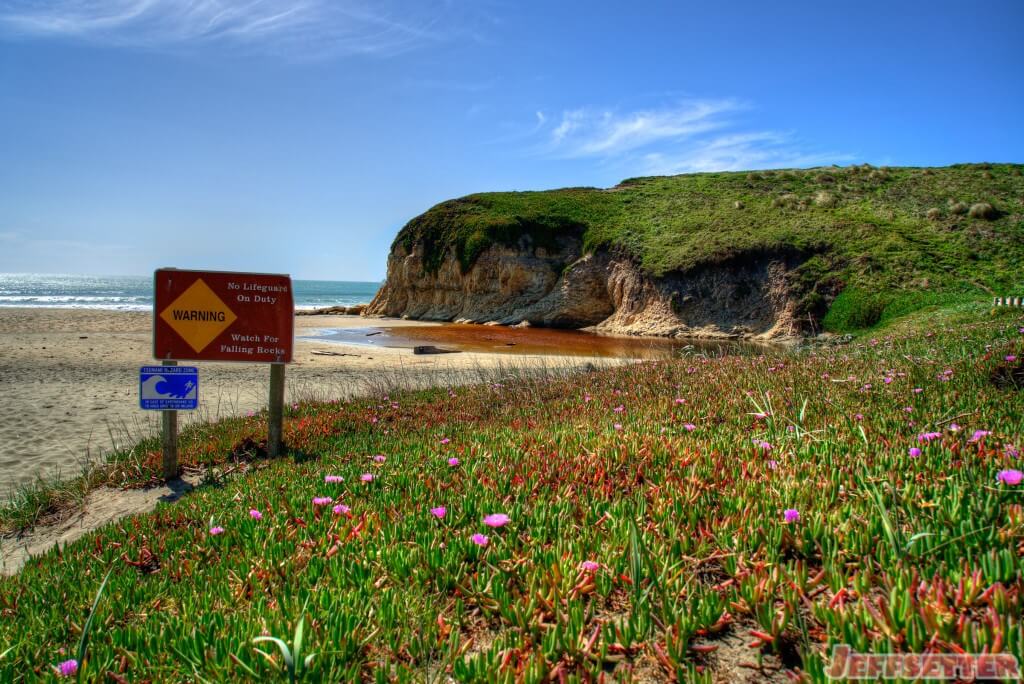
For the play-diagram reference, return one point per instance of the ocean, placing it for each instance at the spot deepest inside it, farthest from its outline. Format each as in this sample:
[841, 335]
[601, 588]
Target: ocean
[135, 293]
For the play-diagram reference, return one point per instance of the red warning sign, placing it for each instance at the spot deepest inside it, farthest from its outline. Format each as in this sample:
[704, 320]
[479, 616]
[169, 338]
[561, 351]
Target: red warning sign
[222, 316]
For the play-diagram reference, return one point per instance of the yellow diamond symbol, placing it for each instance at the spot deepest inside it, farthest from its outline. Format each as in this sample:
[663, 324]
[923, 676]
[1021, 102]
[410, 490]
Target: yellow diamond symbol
[198, 315]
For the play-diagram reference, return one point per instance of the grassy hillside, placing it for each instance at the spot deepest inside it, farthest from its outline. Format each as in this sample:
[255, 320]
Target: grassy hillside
[891, 240]
[684, 520]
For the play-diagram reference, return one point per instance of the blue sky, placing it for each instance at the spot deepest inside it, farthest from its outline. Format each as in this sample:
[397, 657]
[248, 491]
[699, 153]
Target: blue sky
[298, 136]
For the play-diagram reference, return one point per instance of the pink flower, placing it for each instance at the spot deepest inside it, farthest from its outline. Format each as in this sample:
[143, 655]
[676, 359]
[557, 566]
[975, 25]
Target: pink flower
[322, 500]
[760, 415]
[438, 512]
[216, 530]
[887, 380]
[379, 458]
[689, 427]
[341, 509]
[926, 437]
[445, 440]
[791, 515]
[333, 479]
[619, 409]
[590, 566]
[680, 400]
[480, 539]
[979, 434]
[453, 461]
[68, 668]
[1010, 477]
[918, 390]
[587, 397]
[763, 445]
[908, 409]
[496, 520]
[773, 464]
[954, 427]
[1012, 451]
[366, 477]
[1011, 358]
[914, 452]
[255, 515]
[617, 426]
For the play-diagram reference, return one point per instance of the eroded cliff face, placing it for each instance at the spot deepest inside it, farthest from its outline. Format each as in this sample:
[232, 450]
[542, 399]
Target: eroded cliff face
[747, 297]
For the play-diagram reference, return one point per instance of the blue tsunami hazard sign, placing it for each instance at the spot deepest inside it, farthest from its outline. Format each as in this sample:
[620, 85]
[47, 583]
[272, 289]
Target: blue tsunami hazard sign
[168, 388]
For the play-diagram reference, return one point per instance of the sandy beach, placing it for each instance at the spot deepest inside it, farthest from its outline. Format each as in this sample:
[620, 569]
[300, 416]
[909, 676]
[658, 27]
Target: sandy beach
[69, 380]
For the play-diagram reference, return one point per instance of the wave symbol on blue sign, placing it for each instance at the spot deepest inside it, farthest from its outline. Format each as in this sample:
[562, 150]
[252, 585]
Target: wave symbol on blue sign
[168, 387]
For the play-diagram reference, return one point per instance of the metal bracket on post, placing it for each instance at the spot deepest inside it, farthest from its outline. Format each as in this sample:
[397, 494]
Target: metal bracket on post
[170, 439]
[275, 413]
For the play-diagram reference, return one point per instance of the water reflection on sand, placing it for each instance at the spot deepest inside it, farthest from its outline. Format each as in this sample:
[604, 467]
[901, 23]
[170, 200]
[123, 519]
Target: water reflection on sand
[546, 341]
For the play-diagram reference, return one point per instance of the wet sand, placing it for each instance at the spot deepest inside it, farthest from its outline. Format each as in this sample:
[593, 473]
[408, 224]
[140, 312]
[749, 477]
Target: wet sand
[69, 381]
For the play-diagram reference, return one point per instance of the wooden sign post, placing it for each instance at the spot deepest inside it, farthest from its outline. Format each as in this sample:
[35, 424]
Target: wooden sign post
[224, 316]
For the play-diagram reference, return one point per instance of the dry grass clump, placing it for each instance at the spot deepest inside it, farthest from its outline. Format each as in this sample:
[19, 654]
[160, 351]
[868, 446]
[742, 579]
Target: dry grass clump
[738, 204]
[879, 175]
[933, 214]
[825, 178]
[825, 199]
[958, 208]
[983, 210]
[785, 201]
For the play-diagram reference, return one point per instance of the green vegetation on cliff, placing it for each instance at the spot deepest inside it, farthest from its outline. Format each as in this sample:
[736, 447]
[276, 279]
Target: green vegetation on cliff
[886, 240]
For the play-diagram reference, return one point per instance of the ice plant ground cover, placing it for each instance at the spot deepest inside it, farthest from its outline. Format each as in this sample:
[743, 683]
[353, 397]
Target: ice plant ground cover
[772, 502]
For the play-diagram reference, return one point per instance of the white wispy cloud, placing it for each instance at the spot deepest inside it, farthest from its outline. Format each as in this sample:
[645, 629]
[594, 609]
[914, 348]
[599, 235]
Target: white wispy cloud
[298, 28]
[687, 136]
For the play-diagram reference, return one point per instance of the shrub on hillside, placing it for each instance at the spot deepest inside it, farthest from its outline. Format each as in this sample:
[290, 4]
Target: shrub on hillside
[825, 199]
[933, 214]
[958, 208]
[983, 210]
[738, 204]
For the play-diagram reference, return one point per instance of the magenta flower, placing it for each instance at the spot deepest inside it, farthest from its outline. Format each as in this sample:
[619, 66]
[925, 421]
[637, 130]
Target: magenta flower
[954, 427]
[333, 479]
[445, 440]
[590, 566]
[366, 477]
[1010, 477]
[791, 515]
[926, 437]
[379, 458]
[438, 512]
[617, 426]
[1011, 358]
[68, 668]
[773, 464]
[689, 427]
[480, 539]
[496, 520]
[619, 409]
[980, 434]
[453, 461]
[216, 530]
[255, 515]
[341, 509]
[763, 445]
[322, 500]
[680, 400]
[1012, 451]
[914, 452]
[918, 390]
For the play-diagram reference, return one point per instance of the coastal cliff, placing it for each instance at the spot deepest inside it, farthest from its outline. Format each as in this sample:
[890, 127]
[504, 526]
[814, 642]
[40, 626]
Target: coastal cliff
[761, 255]
[747, 297]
